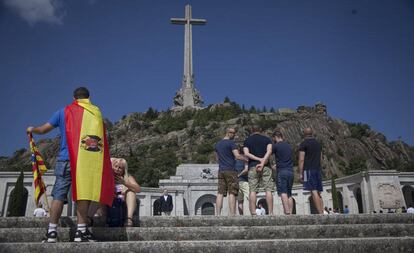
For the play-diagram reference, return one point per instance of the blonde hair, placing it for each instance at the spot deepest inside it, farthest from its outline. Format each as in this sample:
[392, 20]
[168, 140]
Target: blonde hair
[121, 162]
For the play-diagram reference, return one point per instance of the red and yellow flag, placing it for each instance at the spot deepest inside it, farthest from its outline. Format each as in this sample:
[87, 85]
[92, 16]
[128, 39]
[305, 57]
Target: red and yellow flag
[39, 168]
[90, 164]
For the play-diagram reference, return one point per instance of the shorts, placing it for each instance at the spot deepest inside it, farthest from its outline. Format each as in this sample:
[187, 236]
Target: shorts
[284, 181]
[261, 181]
[63, 181]
[243, 190]
[312, 180]
[228, 182]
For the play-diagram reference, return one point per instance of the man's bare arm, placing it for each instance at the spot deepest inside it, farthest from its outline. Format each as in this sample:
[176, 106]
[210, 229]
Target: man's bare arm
[301, 163]
[238, 156]
[263, 162]
[43, 129]
[268, 153]
[251, 156]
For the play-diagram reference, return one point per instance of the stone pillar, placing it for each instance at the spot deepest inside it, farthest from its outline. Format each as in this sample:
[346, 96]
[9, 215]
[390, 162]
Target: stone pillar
[179, 204]
[365, 195]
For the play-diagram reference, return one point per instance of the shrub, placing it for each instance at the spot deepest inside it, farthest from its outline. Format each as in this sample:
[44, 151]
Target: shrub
[18, 198]
[356, 164]
[358, 130]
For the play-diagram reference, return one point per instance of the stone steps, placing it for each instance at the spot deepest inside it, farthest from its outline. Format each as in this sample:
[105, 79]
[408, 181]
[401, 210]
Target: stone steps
[201, 221]
[296, 233]
[218, 233]
[354, 245]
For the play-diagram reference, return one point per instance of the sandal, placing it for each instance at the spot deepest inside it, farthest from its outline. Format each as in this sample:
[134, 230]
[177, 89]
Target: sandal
[129, 222]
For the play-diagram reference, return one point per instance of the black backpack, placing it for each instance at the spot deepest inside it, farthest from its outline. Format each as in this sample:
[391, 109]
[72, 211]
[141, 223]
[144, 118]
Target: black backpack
[116, 214]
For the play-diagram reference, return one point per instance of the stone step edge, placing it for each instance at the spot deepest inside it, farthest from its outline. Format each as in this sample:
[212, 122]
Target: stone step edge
[227, 221]
[243, 233]
[409, 238]
[216, 227]
[354, 245]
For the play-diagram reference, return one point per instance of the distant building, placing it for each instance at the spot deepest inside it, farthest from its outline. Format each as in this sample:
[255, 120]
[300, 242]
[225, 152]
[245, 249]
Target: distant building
[194, 189]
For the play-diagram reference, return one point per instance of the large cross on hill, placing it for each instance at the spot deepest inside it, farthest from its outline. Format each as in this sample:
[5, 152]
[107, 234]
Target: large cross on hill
[188, 96]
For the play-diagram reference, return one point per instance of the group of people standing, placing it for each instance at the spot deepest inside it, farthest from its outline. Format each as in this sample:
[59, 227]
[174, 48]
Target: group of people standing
[245, 171]
[85, 166]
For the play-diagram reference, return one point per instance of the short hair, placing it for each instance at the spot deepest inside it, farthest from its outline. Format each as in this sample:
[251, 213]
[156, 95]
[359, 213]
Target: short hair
[256, 128]
[307, 132]
[230, 128]
[80, 93]
[278, 134]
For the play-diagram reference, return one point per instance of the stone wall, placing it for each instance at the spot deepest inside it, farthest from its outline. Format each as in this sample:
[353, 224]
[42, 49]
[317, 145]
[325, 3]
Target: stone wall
[196, 184]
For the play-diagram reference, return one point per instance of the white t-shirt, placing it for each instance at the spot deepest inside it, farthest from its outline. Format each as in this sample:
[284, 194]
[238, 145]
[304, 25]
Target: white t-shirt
[410, 210]
[260, 211]
[39, 212]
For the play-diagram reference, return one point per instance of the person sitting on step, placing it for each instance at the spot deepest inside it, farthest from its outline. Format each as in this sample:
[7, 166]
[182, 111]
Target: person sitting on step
[126, 187]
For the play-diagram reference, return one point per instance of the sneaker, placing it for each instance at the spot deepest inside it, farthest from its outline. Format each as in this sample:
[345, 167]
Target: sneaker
[84, 237]
[50, 237]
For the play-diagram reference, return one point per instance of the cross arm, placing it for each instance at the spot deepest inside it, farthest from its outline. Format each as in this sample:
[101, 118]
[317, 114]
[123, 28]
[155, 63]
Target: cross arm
[178, 21]
[183, 21]
[198, 21]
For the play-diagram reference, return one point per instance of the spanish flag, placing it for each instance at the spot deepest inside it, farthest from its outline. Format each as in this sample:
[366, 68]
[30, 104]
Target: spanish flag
[90, 163]
[38, 168]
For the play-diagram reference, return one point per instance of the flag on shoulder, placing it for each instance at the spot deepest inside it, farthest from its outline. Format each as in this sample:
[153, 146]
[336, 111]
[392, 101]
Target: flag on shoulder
[90, 164]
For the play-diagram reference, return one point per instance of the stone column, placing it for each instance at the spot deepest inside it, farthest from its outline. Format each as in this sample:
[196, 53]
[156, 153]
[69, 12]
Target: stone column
[365, 195]
[179, 204]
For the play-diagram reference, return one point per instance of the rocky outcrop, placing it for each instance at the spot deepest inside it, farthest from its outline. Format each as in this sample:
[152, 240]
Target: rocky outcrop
[191, 135]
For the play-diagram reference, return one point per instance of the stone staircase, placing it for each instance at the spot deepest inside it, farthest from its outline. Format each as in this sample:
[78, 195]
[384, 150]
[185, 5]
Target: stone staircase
[297, 233]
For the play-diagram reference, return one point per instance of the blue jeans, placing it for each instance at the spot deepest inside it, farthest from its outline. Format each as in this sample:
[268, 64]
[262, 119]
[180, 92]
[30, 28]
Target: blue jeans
[284, 181]
[63, 181]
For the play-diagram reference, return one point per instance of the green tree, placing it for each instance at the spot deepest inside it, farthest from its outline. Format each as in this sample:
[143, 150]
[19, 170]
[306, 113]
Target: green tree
[252, 109]
[358, 130]
[227, 99]
[334, 193]
[18, 198]
[151, 114]
[356, 164]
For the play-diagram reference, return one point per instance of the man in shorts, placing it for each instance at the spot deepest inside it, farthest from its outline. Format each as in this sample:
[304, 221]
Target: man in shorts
[258, 148]
[310, 171]
[284, 171]
[227, 152]
[242, 168]
[64, 180]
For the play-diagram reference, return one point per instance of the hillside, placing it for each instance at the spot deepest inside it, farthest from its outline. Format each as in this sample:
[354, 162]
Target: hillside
[154, 143]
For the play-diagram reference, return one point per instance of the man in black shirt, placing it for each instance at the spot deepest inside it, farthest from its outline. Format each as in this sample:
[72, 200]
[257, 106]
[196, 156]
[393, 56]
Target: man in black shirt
[258, 149]
[284, 171]
[310, 155]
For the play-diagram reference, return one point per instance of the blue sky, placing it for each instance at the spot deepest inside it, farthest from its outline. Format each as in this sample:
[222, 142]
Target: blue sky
[355, 56]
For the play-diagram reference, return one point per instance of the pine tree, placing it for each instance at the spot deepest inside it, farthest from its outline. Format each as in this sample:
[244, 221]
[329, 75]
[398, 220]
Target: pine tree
[151, 114]
[227, 99]
[18, 198]
[252, 109]
[334, 194]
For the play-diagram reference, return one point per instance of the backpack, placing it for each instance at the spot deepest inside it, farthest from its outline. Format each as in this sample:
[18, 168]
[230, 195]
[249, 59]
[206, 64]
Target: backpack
[117, 213]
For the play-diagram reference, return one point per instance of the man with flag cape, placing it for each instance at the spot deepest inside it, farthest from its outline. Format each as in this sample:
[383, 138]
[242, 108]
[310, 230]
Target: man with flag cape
[83, 162]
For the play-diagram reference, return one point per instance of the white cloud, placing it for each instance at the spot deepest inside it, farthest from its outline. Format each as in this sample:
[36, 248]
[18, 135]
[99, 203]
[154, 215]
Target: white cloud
[34, 11]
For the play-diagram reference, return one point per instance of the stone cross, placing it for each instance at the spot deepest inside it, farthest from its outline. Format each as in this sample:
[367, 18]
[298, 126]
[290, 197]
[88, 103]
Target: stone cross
[188, 96]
